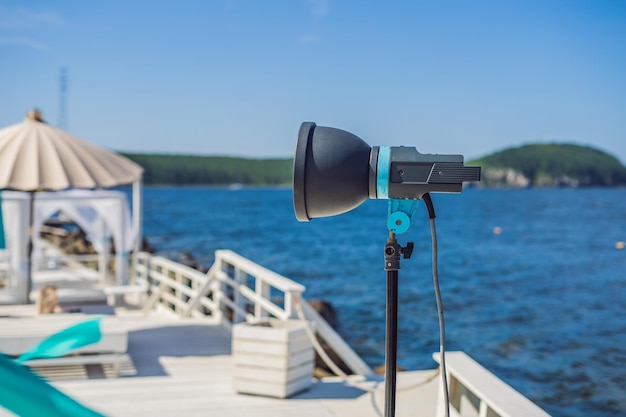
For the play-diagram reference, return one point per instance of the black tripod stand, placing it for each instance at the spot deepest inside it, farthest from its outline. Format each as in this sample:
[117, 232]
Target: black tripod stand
[392, 264]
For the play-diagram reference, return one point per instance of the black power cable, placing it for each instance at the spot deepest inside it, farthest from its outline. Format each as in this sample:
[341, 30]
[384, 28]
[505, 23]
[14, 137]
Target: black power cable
[442, 330]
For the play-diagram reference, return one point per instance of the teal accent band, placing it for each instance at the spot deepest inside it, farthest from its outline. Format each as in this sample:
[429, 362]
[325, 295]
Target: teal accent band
[382, 175]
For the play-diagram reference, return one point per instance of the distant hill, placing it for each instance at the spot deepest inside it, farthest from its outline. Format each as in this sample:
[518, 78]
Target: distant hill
[212, 170]
[539, 165]
[550, 165]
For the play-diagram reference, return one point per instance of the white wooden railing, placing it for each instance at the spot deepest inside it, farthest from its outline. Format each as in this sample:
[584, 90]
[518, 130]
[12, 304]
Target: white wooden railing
[170, 285]
[256, 292]
[474, 391]
[235, 289]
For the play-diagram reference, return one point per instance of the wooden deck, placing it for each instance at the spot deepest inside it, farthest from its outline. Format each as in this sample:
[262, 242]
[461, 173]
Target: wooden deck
[183, 367]
[178, 361]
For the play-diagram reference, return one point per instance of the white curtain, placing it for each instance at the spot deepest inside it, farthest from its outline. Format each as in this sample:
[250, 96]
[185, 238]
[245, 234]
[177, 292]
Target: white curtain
[15, 212]
[101, 214]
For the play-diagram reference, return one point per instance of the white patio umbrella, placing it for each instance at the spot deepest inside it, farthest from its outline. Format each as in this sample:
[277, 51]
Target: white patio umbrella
[35, 156]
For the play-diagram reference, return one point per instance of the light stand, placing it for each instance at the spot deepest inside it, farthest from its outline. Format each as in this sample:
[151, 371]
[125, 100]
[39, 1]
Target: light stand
[335, 171]
[392, 264]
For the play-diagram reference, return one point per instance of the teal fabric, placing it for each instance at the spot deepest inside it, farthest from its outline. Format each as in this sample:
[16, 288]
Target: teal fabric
[65, 341]
[26, 394]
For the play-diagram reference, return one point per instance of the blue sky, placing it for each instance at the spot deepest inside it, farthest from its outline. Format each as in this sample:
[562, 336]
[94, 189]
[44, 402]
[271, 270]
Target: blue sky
[238, 77]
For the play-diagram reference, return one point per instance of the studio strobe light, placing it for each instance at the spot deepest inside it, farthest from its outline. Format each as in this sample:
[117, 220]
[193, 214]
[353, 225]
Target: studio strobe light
[335, 171]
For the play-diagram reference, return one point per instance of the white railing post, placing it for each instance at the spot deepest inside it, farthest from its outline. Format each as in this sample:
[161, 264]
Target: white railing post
[238, 299]
[291, 298]
[262, 290]
[179, 294]
[218, 288]
[147, 266]
[483, 409]
[217, 299]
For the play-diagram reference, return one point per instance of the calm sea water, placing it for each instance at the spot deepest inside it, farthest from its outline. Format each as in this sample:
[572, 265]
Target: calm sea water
[542, 305]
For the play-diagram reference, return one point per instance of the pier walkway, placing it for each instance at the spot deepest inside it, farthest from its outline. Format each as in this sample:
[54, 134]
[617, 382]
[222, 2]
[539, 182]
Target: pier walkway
[182, 367]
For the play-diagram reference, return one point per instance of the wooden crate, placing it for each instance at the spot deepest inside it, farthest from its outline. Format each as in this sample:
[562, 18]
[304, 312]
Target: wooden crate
[274, 358]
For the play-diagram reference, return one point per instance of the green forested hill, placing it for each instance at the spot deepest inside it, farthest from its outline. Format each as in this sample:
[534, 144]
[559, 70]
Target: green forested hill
[551, 165]
[212, 170]
[541, 165]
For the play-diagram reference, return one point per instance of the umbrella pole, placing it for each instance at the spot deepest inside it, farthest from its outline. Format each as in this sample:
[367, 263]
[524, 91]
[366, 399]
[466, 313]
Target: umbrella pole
[29, 281]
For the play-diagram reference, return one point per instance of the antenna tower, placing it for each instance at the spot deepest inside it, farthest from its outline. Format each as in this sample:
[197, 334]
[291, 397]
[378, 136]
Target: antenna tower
[62, 115]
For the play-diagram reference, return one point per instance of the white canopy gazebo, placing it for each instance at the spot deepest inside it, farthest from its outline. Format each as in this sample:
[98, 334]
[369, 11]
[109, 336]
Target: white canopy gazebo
[36, 157]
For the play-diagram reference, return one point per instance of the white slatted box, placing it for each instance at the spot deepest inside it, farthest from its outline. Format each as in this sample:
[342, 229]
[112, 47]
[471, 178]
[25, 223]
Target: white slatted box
[273, 358]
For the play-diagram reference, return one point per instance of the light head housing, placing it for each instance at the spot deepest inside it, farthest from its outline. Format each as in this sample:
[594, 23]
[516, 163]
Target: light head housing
[335, 171]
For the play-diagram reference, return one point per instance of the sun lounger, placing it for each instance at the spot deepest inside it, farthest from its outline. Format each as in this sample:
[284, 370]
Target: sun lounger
[18, 334]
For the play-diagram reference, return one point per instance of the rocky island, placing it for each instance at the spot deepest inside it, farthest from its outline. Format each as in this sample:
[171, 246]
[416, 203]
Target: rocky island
[550, 165]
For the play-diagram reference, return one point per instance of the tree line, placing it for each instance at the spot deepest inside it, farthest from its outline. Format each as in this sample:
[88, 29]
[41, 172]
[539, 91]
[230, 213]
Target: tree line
[212, 170]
